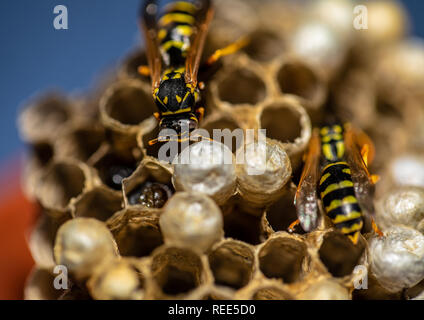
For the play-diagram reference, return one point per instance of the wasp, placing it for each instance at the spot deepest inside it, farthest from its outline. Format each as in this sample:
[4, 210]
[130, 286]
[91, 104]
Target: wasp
[336, 172]
[174, 45]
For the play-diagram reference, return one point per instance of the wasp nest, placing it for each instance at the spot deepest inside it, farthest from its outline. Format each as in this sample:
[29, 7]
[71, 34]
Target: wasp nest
[211, 223]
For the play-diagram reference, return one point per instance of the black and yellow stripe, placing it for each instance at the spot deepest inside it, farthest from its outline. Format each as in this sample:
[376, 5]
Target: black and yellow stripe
[175, 30]
[339, 200]
[332, 143]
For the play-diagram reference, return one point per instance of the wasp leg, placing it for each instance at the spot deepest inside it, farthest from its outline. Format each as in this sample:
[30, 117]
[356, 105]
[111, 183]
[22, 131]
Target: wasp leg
[157, 115]
[144, 70]
[375, 178]
[201, 112]
[153, 141]
[230, 49]
[376, 229]
[293, 225]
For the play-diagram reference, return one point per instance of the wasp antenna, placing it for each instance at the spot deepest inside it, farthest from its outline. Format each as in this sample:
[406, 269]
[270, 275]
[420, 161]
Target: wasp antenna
[376, 229]
[153, 141]
[243, 42]
[200, 136]
[230, 49]
[144, 70]
[293, 225]
[182, 139]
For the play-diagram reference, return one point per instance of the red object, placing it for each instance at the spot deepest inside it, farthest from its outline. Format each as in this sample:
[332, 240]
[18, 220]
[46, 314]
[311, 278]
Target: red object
[17, 216]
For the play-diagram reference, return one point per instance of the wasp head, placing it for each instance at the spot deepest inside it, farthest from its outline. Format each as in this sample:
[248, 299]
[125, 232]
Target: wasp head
[180, 124]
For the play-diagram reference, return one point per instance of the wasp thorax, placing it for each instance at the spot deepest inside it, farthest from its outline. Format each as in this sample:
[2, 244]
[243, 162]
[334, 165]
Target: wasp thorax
[174, 94]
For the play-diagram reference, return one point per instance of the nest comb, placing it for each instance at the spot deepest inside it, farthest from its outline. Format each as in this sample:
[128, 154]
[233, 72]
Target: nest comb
[168, 232]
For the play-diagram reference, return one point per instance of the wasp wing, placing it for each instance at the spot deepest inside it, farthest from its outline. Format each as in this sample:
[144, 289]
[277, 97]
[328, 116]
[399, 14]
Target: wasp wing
[362, 180]
[306, 199]
[147, 21]
[200, 31]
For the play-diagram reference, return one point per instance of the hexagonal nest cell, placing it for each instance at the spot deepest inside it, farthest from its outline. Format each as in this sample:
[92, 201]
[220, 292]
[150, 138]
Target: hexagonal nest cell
[177, 271]
[102, 167]
[283, 258]
[129, 103]
[241, 86]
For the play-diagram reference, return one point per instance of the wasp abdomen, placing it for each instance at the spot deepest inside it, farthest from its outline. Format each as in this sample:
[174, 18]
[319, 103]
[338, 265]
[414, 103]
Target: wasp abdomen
[339, 201]
[175, 30]
[332, 144]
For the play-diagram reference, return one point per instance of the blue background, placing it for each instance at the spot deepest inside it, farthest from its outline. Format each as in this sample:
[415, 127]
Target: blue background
[35, 57]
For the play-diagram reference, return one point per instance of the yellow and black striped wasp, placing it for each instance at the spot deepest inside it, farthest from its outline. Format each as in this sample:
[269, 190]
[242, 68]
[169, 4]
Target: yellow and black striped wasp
[174, 45]
[336, 168]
